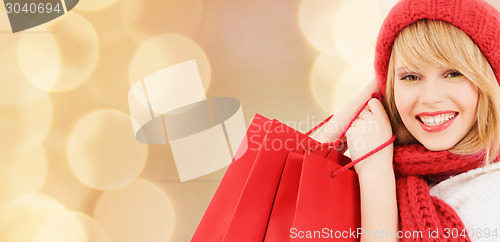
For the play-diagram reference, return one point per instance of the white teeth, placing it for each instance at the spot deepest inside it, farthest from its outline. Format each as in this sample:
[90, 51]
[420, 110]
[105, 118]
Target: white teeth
[437, 119]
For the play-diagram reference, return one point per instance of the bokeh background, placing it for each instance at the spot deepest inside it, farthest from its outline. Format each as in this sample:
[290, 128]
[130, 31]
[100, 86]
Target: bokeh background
[70, 167]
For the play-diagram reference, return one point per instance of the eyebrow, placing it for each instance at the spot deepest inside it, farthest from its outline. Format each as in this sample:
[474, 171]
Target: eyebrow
[405, 69]
[400, 70]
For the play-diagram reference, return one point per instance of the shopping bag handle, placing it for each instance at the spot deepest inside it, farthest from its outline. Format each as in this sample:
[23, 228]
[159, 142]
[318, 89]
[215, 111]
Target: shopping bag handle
[340, 140]
[356, 161]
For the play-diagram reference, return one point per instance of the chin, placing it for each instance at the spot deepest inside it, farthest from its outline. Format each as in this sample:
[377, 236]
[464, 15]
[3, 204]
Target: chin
[437, 147]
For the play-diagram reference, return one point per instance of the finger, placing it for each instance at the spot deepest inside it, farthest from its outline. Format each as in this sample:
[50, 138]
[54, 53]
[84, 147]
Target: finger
[376, 107]
[353, 125]
[349, 133]
[360, 116]
[365, 113]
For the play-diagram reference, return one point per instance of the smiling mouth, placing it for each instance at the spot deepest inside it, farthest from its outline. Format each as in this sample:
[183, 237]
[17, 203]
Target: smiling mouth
[436, 121]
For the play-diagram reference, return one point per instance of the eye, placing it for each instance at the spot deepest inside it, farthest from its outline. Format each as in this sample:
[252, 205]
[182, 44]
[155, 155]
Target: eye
[453, 74]
[409, 77]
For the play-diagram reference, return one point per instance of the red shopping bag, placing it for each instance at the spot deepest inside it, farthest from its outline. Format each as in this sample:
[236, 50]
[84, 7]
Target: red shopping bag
[241, 207]
[310, 203]
[219, 213]
[327, 207]
[283, 212]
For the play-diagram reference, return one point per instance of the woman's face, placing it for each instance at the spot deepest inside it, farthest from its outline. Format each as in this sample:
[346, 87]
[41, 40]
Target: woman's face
[437, 104]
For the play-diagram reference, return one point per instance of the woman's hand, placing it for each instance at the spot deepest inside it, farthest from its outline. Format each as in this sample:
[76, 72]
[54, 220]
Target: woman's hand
[376, 176]
[333, 128]
[370, 130]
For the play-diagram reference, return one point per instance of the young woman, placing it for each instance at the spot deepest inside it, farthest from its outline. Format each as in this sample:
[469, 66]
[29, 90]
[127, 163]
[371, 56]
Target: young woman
[438, 66]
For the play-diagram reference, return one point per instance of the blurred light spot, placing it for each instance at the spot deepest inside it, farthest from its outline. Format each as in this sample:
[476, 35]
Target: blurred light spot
[349, 84]
[21, 218]
[190, 200]
[79, 47]
[39, 59]
[356, 26]
[75, 61]
[71, 226]
[363, 61]
[103, 152]
[165, 50]
[323, 81]
[138, 212]
[316, 20]
[25, 126]
[174, 87]
[15, 87]
[94, 5]
[22, 173]
[160, 93]
[143, 19]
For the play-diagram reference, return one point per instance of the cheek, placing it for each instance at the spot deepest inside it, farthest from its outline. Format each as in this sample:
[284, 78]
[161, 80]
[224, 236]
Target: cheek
[467, 96]
[404, 99]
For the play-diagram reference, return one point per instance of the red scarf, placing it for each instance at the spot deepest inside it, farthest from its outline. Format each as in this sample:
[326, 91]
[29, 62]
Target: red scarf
[418, 210]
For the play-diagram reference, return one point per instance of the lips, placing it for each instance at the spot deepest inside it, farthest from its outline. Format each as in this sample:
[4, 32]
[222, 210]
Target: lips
[436, 121]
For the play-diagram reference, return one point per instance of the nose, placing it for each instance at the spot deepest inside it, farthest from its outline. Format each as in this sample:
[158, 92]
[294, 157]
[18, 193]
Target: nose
[432, 91]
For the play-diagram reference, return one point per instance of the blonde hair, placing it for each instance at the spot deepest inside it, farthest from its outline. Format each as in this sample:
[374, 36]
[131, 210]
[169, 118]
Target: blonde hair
[427, 42]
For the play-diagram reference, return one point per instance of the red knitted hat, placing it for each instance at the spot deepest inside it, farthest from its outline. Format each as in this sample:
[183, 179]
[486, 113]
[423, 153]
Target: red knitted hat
[476, 18]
